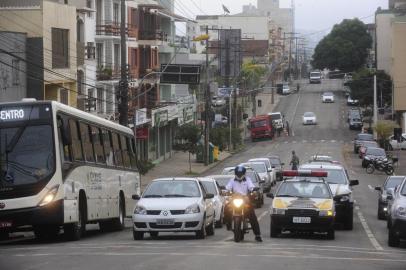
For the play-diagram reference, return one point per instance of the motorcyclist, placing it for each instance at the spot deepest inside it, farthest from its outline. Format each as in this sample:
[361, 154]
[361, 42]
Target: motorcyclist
[294, 161]
[243, 186]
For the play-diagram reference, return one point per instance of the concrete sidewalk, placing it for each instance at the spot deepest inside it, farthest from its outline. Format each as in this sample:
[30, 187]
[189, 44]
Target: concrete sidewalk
[178, 165]
[400, 167]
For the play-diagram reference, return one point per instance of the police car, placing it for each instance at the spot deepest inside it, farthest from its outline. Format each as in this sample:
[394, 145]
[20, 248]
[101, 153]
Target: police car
[303, 202]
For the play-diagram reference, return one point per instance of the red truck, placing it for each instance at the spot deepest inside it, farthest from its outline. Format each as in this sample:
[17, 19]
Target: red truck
[261, 127]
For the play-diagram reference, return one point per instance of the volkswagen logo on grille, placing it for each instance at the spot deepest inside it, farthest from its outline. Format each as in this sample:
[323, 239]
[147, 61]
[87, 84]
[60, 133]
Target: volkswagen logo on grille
[165, 213]
[2, 205]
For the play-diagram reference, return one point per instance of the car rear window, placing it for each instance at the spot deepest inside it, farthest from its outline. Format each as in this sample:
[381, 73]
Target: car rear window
[375, 151]
[365, 137]
[393, 182]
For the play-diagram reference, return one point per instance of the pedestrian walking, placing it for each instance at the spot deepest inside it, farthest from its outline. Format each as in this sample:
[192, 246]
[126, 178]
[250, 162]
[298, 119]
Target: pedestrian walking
[294, 161]
[287, 128]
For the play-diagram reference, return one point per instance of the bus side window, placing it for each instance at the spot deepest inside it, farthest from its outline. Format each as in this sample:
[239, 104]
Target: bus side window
[76, 144]
[98, 145]
[125, 151]
[133, 158]
[108, 150]
[87, 144]
[117, 151]
[64, 145]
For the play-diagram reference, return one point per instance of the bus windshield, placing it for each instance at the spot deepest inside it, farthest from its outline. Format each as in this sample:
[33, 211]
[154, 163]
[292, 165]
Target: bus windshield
[26, 150]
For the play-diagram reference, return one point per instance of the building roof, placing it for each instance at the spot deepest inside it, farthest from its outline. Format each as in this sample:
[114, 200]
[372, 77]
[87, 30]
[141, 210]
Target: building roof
[207, 17]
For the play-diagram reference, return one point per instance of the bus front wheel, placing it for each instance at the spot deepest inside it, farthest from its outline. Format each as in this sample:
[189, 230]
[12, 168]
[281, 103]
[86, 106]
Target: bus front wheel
[74, 231]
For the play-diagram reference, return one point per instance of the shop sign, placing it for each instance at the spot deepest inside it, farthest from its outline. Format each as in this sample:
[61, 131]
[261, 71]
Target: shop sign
[142, 133]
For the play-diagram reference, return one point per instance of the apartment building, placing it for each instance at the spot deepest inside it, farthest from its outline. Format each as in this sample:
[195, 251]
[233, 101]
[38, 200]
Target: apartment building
[51, 52]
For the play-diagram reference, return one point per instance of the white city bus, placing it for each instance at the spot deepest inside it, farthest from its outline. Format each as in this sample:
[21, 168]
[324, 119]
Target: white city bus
[63, 168]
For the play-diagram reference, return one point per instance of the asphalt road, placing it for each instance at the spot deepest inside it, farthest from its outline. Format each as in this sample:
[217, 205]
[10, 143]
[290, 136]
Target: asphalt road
[365, 247]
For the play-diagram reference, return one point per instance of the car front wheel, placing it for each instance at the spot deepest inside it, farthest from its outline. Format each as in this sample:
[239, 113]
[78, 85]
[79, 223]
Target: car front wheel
[393, 239]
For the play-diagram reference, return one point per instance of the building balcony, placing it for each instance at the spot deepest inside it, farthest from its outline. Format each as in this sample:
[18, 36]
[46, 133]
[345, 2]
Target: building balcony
[108, 74]
[108, 28]
[153, 35]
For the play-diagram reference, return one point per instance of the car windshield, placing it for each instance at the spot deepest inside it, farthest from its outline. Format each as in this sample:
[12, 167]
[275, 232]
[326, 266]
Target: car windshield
[369, 144]
[328, 94]
[256, 124]
[356, 120]
[334, 176]
[275, 161]
[375, 151]
[172, 188]
[404, 190]
[315, 74]
[304, 189]
[276, 116]
[228, 171]
[251, 175]
[308, 114]
[393, 182]
[258, 167]
[210, 187]
[365, 137]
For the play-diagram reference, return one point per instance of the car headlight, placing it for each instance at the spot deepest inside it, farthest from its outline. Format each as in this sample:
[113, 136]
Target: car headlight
[400, 211]
[278, 211]
[238, 202]
[193, 209]
[50, 196]
[140, 210]
[326, 213]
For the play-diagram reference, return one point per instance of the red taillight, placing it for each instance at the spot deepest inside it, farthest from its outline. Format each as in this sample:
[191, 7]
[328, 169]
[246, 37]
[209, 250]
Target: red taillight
[293, 173]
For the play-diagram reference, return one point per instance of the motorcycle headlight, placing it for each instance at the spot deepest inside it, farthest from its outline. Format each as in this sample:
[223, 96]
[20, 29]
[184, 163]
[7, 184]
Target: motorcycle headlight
[193, 209]
[140, 210]
[326, 213]
[238, 202]
[401, 211]
[278, 211]
[50, 196]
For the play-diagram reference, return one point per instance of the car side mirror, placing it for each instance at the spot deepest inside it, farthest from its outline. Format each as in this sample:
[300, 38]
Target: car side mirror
[270, 195]
[354, 183]
[378, 188]
[209, 196]
[135, 197]
[270, 170]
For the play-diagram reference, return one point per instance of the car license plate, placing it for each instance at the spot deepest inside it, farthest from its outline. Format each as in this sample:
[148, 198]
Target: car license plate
[165, 222]
[301, 220]
[6, 224]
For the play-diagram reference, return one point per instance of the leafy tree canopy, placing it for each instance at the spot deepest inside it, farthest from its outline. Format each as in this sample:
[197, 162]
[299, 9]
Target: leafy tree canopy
[362, 87]
[252, 73]
[345, 48]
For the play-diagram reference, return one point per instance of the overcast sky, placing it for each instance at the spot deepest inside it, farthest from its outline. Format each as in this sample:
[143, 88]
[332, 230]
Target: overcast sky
[310, 14]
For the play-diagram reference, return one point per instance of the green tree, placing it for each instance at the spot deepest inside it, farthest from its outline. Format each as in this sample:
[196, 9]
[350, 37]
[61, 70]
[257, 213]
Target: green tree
[384, 129]
[345, 48]
[362, 87]
[252, 73]
[187, 138]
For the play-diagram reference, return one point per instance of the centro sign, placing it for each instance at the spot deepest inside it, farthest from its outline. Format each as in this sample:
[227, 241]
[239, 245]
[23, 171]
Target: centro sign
[12, 115]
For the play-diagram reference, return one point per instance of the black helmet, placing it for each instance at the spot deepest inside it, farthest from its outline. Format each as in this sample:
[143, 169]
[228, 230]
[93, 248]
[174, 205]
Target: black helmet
[240, 171]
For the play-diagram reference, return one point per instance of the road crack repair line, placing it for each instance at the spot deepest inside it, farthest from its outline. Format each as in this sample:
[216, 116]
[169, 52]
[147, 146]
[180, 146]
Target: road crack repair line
[367, 230]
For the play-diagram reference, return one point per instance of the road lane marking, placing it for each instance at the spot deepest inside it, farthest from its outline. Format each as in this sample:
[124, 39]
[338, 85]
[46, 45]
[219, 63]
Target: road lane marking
[367, 230]
[294, 112]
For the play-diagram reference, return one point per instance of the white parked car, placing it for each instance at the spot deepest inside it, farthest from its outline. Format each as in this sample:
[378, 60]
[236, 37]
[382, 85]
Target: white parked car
[218, 101]
[174, 205]
[309, 118]
[285, 89]
[398, 145]
[271, 172]
[262, 171]
[277, 119]
[352, 102]
[327, 97]
[212, 187]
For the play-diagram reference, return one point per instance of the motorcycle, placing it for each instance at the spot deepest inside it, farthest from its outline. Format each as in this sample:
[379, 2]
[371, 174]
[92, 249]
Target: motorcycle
[240, 222]
[382, 165]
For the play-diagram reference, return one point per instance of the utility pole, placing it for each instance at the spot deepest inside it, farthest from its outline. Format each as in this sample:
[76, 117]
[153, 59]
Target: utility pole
[123, 85]
[375, 103]
[207, 105]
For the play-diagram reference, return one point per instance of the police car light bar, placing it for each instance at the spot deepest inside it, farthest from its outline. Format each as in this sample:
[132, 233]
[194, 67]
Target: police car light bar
[293, 173]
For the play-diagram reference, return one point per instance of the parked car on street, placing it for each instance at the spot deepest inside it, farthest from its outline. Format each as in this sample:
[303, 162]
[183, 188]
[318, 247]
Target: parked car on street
[373, 153]
[271, 171]
[397, 216]
[361, 137]
[341, 187]
[174, 205]
[218, 101]
[395, 145]
[286, 89]
[262, 170]
[363, 148]
[309, 118]
[277, 166]
[277, 119]
[352, 102]
[390, 184]
[327, 97]
[355, 122]
[315, 77]
[211, 187]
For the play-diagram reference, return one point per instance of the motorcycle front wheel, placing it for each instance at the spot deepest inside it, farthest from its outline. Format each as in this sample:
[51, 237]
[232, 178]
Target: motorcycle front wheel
[370, 169]
[238, 232]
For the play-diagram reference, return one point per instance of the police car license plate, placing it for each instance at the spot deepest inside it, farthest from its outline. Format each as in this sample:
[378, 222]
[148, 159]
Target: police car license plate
[165, 222]
[302, 219]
